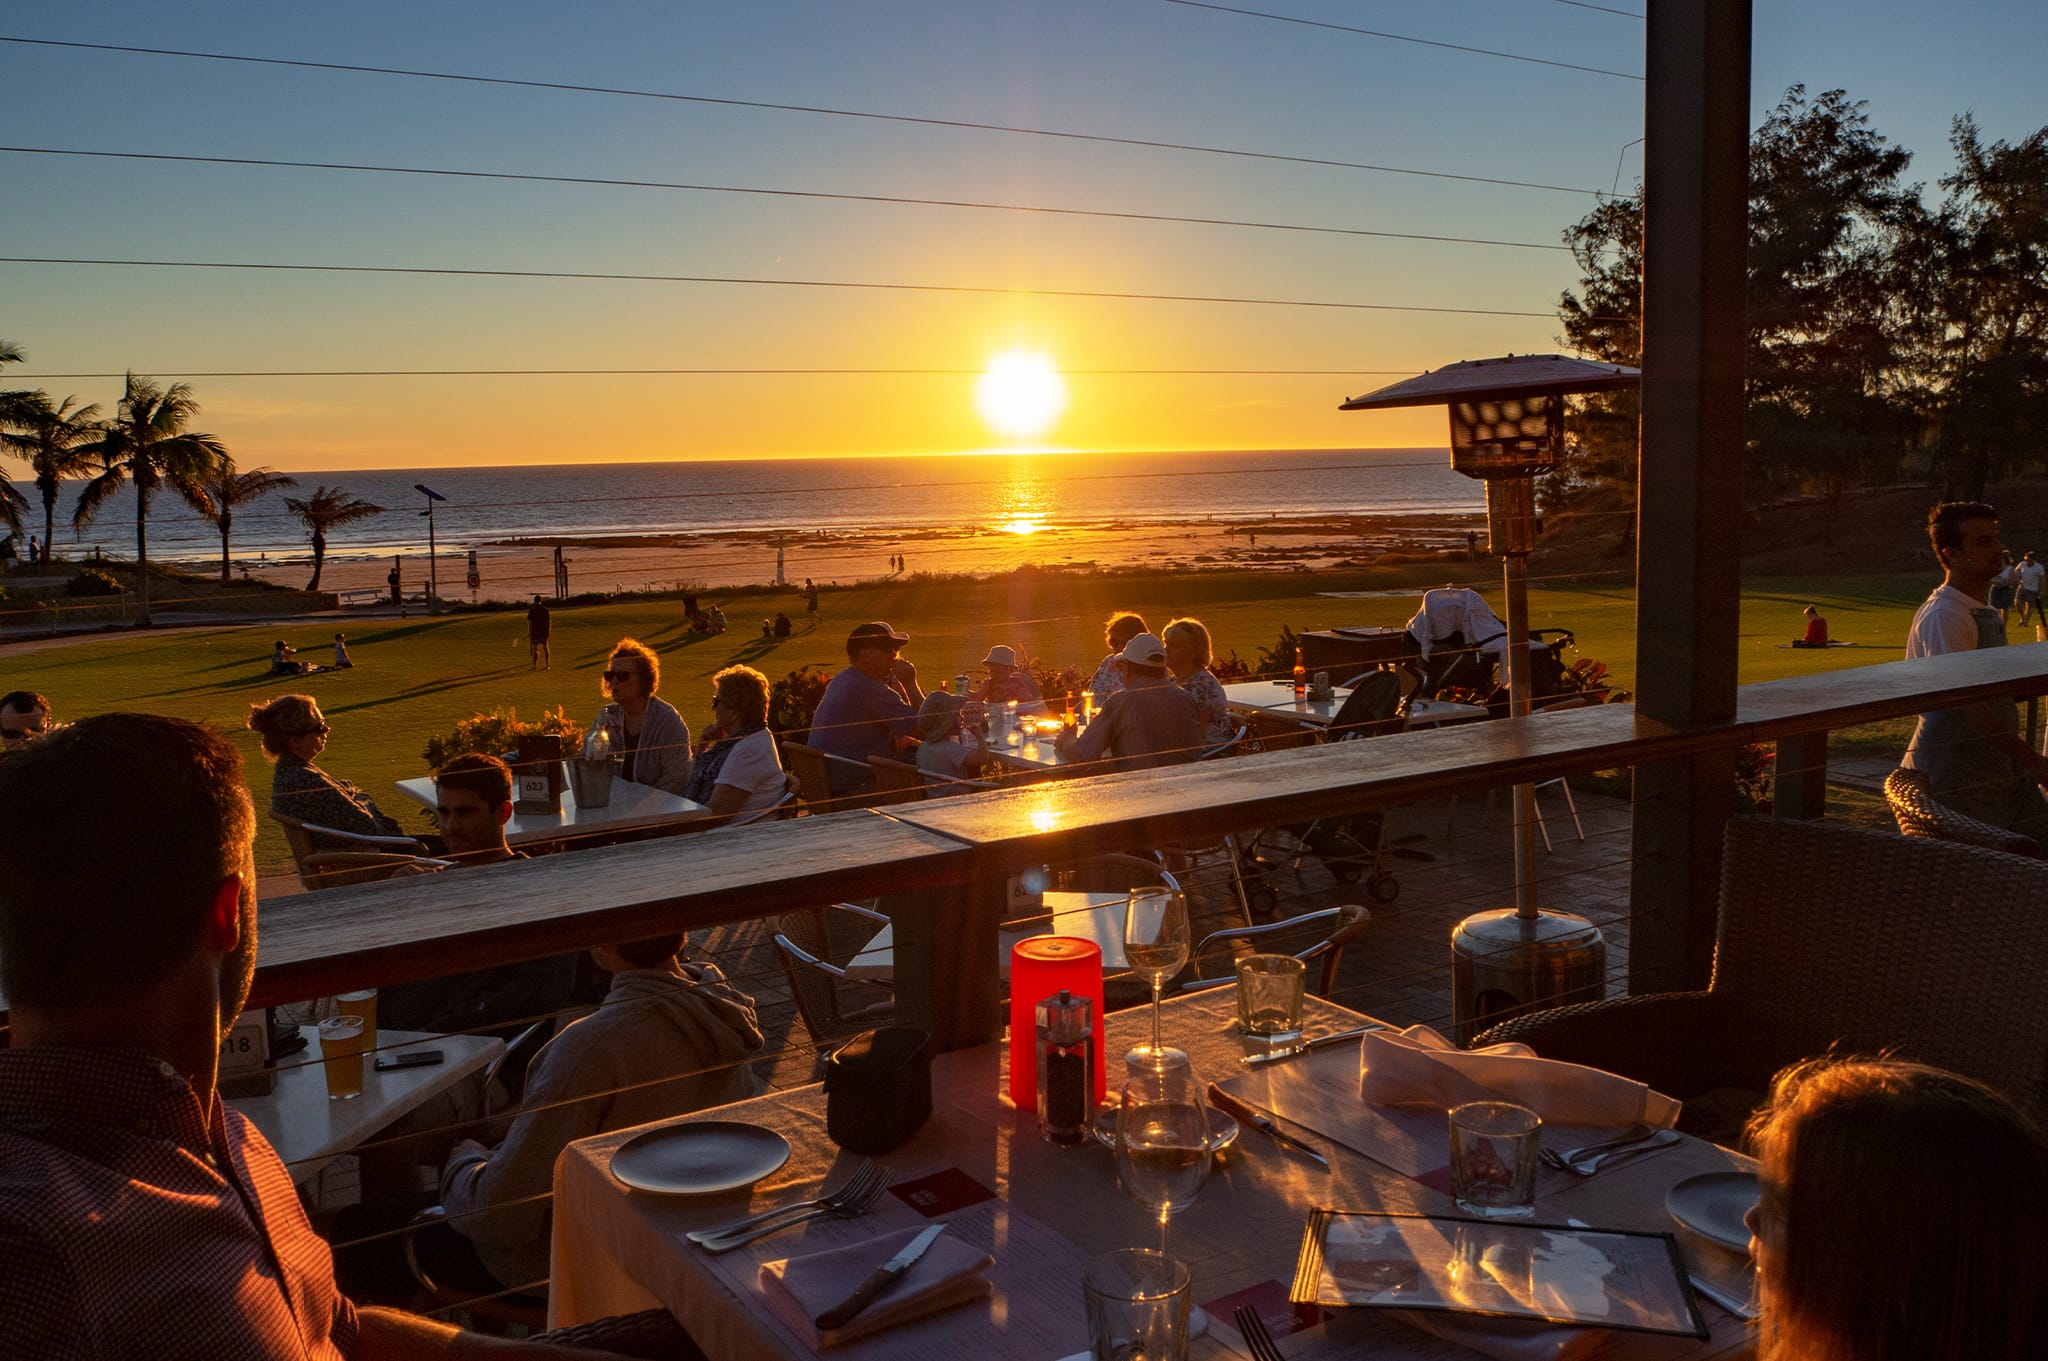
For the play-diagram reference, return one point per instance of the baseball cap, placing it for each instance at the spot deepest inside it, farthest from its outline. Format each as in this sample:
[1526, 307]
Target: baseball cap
[1145, 650]
[875, 631]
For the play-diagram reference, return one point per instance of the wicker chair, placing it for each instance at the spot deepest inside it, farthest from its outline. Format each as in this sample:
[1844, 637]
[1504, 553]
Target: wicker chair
[896, 781]
[1835, 937]
[1919, 813]
[327, 857]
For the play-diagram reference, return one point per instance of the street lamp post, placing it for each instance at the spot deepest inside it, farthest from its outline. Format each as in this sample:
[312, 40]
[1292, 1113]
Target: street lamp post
[433, 576]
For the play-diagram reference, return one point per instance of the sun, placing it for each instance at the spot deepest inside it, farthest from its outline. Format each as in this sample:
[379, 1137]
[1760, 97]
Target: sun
[1021, 394]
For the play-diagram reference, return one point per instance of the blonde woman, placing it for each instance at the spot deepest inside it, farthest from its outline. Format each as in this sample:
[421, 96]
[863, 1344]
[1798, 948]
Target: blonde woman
[647, 731]
[1187, 657]
[294, 733]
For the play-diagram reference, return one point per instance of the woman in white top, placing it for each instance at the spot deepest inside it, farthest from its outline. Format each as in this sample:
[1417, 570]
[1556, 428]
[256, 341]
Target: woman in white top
[1187, 657]
[738, 769]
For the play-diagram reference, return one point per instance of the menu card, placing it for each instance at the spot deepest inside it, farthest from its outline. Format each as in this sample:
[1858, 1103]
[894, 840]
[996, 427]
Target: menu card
[1597, 1277]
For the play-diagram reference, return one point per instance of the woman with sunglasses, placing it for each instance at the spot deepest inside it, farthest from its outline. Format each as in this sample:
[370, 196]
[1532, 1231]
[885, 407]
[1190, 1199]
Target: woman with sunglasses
[294, 733]
[647, 731]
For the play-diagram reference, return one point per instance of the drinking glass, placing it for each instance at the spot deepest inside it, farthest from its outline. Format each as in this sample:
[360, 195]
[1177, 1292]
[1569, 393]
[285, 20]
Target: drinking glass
[1494, 1148]
[1162, 1143]
[1155, 940]
[1137, 1303]
[1270, 989]
[363, 1004]
[341, 1054]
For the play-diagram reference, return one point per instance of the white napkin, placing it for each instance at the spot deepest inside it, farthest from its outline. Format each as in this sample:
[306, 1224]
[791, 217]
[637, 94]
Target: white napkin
[801, 1288]
[1418, 1067]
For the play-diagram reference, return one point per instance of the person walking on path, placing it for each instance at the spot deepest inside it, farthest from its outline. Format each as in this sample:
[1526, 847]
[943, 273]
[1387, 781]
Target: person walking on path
[1973, 756]
[539, 624]
[2004, 586]
[811, 600]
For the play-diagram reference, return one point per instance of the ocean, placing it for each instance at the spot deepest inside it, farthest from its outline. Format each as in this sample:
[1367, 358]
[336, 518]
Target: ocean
[759, 498]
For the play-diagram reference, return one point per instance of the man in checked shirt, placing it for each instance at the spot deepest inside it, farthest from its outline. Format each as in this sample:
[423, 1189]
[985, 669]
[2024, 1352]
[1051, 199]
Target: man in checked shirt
[140, 1216]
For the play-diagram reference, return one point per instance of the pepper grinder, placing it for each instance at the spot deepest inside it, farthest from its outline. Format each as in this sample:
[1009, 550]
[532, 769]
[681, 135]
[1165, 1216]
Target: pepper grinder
[1066, 1064]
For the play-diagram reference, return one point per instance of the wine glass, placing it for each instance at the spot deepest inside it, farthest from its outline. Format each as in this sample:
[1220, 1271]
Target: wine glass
[1162, 1137]
[1156, 940]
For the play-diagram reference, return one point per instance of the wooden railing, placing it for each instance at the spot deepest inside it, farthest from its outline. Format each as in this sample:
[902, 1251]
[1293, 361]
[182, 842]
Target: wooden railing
[940, 866]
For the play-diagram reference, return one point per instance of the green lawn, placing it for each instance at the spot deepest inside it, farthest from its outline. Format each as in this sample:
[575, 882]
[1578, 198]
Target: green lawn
[415, 678]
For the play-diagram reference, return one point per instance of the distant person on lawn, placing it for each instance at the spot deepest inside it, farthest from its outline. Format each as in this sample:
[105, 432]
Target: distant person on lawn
[1973, 756]
[1816, 630]
[341, 661]
[539, 624]
[294, 733]
[869, 709]
[281, 663]
[24, 716]
[2031, 574]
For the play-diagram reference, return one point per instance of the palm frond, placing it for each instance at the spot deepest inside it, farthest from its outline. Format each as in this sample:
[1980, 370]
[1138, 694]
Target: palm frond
[95, 496]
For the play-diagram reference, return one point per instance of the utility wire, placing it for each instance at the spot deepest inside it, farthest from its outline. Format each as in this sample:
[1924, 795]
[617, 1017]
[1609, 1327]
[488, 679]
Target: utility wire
[1604, 9]
[966, 124]
[168, 371]
[1042, 209]
[1404, 38]
[982, 291]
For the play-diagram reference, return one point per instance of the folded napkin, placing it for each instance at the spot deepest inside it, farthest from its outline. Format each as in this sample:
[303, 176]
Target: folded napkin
[1418, 1067]
[801, 1288]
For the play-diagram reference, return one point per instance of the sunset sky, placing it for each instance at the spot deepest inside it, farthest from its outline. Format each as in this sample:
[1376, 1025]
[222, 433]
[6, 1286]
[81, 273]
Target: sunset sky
[1140, 69]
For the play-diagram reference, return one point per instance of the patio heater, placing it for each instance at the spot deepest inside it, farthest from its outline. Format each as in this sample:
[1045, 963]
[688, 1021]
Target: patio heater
[1507, 425]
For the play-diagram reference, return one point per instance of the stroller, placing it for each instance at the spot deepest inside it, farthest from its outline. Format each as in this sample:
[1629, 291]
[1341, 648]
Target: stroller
[1351, 846]
[1464, 647]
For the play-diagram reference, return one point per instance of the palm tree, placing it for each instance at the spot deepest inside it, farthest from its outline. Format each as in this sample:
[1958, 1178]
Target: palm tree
[13, 406]
[327, 508]
[53, 440]
[148, 442]
[222, 488]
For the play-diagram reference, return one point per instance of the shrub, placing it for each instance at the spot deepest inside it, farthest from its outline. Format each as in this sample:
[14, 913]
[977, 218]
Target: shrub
[1056, 685]
[793, 699]
[497, 732]
[1279, 658]
[91, 581]
[1235, 668]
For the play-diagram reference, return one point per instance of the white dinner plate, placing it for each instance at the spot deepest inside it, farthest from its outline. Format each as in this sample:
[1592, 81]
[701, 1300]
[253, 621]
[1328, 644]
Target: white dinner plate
[1712, 1205]
[695, 1160]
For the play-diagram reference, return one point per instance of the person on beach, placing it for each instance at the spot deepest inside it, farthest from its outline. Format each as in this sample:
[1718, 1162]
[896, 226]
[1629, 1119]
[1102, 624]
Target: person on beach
[1009, 679]
[649, 732]
[1947, 1262]
[539, 625]
[341, 661]
[811, 600]
[1816, 630]
[1187, 658]
[1973, 756]
[140, 1214]
[951, 752]
[294, 733]
[1109, 675]
[1149, 722]
[869, 709]
[738, 769]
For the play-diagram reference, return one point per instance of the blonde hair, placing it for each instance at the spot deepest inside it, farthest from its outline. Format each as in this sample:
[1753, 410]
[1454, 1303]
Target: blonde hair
[280, 720]
[1901, 1216]
[633, 647]
[1189, 631]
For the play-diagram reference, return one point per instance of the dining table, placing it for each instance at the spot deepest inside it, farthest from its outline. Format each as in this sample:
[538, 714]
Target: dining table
[632, 807]
[1042, 1210]
[1277, 698]
[1093, 917]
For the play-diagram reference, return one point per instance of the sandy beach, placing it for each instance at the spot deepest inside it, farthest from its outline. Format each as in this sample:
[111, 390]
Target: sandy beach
[513, 569]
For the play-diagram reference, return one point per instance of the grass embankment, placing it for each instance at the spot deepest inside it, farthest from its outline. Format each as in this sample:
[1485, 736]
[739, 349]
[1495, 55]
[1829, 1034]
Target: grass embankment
[416, 678]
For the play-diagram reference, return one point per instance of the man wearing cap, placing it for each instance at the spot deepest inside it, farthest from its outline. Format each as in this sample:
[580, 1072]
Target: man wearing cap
[869, 709]
[1150, 722]
[1008, 680]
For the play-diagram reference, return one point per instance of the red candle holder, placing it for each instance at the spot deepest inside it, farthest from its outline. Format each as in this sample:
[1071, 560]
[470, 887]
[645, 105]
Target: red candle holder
[1040, 967]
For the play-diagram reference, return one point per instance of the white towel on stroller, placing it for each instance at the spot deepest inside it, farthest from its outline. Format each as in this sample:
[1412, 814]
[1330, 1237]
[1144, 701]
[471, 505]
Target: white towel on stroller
[1460, 610]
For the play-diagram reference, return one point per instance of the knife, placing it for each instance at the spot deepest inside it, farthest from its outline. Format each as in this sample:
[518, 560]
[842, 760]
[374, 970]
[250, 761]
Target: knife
[1260, 1121]
[880, 1279]
[1306, 1046]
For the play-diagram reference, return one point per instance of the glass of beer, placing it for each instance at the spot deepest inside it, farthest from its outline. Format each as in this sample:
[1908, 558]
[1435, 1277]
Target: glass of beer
[363, 1004]
[341, 1053]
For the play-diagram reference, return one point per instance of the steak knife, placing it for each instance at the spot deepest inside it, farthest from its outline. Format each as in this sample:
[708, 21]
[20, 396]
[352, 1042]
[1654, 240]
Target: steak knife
[1259, 1120]
[880, 1279]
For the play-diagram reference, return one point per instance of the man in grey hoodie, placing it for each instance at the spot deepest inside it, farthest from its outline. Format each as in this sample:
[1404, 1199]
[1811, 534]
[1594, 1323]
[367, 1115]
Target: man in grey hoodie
[669, 1038]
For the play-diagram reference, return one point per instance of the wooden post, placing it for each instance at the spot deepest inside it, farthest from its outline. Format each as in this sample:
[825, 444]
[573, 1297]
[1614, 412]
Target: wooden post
[1689, 507]
[946, 945]
[1800, 784]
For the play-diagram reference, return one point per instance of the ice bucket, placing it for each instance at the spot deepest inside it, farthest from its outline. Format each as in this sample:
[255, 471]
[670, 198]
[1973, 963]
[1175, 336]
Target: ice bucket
[592, 780]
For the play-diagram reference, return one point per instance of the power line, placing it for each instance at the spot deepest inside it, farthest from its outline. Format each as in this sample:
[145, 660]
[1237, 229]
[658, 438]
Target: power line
[1604, 9]
[982, 291]
[1041, 209]
[1403, 38]
[818, 110]
[167, 371]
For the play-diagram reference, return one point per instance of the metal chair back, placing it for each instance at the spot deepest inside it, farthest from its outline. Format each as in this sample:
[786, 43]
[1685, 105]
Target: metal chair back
[813, 946]
[1327, 932]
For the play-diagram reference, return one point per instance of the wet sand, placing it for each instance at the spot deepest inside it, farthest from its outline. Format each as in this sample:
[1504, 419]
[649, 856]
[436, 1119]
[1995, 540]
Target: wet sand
[514, 569]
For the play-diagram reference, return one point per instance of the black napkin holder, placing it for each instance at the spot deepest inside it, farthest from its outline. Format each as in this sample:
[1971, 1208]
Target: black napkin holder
[878, 1089]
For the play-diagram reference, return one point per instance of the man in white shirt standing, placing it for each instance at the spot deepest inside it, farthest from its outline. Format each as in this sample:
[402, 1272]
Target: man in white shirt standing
[1973, 755]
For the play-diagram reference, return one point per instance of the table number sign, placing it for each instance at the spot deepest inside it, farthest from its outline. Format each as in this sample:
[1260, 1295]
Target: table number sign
[245, 1066]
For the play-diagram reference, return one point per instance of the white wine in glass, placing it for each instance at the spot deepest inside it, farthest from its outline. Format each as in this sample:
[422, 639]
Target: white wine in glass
[1156, 940]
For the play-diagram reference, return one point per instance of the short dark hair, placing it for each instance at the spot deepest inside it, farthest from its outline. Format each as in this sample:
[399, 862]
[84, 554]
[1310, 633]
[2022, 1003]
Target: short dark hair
[1945, 522]
[651, 953]
[484, 776]
[88, 914]
[24, 701]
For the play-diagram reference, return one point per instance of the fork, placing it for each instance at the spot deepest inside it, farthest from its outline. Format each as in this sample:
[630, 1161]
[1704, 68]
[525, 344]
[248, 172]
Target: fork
[1586, 1164]
[1253, 1329]
[853, 1187]
[849, 1203]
